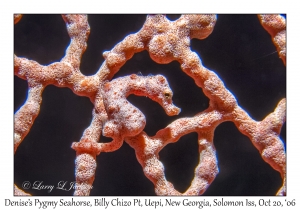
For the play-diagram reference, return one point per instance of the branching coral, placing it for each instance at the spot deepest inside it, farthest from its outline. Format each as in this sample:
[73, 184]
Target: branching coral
[166, 41]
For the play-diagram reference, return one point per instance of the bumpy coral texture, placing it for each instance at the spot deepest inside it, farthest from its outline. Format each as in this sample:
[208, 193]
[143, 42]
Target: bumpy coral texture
[115, 117]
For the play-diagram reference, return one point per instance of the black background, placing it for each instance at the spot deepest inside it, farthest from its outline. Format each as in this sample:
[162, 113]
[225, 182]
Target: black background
[239, 50]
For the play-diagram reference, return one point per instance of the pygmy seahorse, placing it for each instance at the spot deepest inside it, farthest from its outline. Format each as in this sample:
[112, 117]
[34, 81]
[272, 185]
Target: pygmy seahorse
[124, 119]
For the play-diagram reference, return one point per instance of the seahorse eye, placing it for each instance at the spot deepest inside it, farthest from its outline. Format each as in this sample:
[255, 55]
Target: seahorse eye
[167, 94]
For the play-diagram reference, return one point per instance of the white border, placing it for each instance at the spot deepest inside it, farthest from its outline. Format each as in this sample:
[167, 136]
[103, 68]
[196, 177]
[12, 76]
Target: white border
[137, 6]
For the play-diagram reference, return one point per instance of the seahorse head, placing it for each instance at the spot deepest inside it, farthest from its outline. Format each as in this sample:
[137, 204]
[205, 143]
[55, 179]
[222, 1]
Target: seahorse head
[159, 90]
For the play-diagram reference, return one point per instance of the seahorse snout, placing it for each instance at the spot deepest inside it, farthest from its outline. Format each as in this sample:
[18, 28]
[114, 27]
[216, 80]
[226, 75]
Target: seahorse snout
[171, 109]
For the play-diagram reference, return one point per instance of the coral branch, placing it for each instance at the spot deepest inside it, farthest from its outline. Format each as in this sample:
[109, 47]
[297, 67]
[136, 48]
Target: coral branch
[275, 25]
